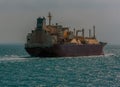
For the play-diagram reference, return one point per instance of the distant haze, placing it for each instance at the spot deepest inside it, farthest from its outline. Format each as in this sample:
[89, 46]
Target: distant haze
[18, 17]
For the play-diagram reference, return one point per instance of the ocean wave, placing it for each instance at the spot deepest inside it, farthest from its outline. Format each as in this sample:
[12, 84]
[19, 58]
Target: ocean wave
[109, 54]
[8, 59]
[27, 57]
[16, 58]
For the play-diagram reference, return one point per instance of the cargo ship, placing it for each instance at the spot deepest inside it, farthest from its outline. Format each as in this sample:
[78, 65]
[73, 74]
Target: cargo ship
[54, 40]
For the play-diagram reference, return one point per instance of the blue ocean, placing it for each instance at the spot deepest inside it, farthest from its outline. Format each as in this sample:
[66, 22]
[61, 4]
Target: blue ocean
[18, 69]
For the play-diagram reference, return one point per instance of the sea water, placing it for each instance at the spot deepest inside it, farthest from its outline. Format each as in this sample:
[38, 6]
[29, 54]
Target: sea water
[18, 69]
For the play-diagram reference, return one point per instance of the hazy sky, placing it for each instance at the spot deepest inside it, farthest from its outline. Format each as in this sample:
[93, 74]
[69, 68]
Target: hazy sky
[18, 17]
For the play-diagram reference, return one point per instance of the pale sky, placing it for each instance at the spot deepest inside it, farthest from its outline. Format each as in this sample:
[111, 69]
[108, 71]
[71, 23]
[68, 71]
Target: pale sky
[18, 17]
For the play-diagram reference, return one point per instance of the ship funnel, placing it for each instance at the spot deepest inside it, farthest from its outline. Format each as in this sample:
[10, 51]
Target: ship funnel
[94, 32]
[49, 17]
[89, 33]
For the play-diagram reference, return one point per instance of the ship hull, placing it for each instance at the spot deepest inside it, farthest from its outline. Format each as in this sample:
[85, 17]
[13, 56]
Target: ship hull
[67, 50]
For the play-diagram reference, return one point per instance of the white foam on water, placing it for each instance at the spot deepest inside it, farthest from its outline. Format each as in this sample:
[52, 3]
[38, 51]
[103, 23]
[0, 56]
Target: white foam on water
[109, 54]
[94, 56]
[10, 59]
[20, 58]
[16, 58]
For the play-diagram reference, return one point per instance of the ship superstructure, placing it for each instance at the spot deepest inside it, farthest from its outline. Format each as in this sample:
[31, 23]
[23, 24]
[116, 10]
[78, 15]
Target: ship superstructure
[56, 40]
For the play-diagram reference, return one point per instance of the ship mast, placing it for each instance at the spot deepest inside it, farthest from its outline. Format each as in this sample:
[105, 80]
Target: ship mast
[49, 17]
[94, 32]
[89, 33]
